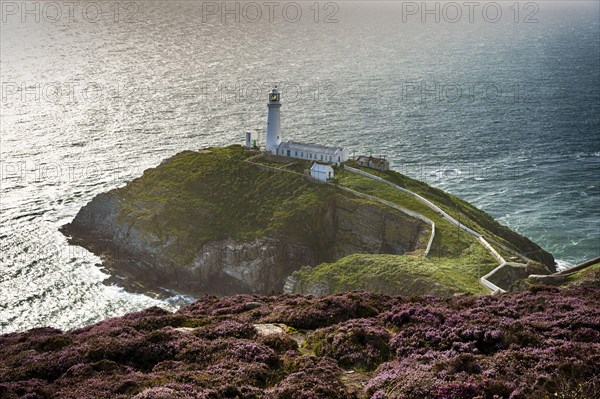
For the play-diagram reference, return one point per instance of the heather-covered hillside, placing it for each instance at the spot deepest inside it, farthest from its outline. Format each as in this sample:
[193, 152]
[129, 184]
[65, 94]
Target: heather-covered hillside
[542, 343]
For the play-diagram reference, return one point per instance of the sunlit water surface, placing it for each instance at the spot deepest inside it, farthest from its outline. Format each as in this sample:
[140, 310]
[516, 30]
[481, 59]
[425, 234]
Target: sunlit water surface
[505, 115]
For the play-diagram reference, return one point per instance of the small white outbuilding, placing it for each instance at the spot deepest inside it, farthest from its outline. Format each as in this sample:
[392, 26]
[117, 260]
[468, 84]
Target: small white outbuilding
[321, 172]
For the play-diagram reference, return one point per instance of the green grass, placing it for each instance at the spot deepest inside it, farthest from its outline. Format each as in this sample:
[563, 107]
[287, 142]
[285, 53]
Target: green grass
[194, 198]
[403, 274]
[468, 215]
[197, 197]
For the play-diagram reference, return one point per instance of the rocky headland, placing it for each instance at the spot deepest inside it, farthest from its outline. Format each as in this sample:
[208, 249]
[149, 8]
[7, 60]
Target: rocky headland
[230, 221]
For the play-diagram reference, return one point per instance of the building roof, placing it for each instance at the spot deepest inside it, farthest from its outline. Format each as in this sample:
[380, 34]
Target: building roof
[317, 167]
[371, 159]
[310, 147]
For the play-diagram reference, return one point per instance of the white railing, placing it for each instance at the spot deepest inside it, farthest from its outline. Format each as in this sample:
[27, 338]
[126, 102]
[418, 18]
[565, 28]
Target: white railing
[488, 284]
[491, 250]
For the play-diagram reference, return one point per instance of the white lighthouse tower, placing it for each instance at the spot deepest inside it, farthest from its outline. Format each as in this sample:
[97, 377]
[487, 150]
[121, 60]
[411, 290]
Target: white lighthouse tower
[273, 122]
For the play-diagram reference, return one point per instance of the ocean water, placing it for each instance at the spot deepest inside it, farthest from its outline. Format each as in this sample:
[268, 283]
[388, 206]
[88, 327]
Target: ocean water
[502, 111]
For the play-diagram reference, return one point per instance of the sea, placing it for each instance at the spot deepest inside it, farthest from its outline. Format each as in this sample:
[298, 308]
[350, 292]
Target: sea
[495, 102]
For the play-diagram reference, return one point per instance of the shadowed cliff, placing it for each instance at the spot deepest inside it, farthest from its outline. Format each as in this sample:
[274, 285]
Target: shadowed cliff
[208, 222]
[211, 221]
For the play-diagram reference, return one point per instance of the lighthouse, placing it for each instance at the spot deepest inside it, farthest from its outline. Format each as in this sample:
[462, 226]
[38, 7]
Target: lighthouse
[273, 122]
[293, 149]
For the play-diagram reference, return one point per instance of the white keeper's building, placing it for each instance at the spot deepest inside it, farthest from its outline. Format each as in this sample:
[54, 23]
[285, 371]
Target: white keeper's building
[321, 172]
[293, 149]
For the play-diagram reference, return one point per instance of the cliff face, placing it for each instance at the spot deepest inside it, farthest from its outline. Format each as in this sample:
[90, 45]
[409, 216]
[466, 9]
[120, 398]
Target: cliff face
[213, 222]
[165, 229]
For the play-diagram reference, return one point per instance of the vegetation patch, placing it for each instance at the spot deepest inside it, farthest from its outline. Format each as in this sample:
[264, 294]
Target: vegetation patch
[468, 215]
[539, 344]
[402, 274]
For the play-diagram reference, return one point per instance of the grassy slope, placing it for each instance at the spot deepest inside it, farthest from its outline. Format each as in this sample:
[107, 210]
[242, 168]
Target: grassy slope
[457, 260]
[468, 214]
[403, 274]
[199, 197]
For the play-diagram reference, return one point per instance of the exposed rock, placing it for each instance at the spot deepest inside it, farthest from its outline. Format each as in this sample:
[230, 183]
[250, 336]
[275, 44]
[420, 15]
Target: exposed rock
[185, 330]
[127, 230]
[510, 273]
[230, 266]
[252, 305]
[269, 329]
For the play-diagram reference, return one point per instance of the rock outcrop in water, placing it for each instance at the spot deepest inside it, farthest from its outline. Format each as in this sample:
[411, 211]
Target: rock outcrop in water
[211, 222]
[164, 229]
